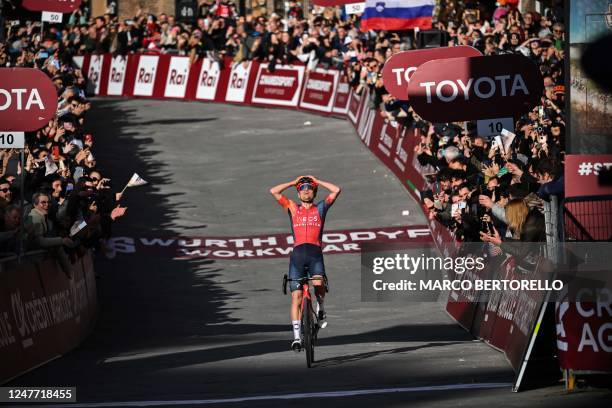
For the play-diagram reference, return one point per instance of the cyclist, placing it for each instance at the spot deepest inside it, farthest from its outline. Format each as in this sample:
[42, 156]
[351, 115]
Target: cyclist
[307, 221]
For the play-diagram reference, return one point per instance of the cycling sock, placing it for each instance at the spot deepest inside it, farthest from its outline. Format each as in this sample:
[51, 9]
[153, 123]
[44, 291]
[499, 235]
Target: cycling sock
[296, 329]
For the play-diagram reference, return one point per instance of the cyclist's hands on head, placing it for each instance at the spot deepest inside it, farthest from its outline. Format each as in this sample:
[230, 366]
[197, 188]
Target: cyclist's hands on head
[314, 179]
[297, 179]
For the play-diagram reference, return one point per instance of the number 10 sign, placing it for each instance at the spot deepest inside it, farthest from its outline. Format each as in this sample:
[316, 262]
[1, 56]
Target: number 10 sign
[493, 127]
[12, 140]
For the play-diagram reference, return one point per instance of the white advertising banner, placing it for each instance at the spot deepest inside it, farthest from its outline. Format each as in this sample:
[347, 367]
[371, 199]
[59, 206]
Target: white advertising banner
[116, 77]
[95, 73]
[238, 82]
[145, 75]
[208, 80]
[176, 81]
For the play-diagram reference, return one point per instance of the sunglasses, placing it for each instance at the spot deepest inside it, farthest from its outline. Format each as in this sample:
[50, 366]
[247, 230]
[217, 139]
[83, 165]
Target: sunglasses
[305, 187]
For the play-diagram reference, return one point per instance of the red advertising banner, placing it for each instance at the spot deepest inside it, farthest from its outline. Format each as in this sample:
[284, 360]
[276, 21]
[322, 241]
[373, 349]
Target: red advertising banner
[319, 90]
[584, 334]
[458, 89]
[58, 6]
[354, 107]
[581, 182]
[341, 99]
[28, 99]
[279, 88]
[42, 313]
[400, 67]
[581, 174]
[333, 3]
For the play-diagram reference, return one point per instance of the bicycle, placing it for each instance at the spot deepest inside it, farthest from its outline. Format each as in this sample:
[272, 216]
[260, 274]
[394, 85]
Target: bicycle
[309, 320]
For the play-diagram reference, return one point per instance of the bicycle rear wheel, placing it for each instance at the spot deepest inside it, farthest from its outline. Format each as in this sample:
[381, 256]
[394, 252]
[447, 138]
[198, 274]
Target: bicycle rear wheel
[307, 330]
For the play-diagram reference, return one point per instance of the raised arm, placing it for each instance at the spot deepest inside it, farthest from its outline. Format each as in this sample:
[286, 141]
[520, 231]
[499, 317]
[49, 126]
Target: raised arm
[277, 190]
[334, 190]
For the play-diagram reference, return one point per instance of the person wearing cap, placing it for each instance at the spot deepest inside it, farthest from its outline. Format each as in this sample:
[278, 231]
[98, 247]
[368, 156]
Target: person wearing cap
[307, 221]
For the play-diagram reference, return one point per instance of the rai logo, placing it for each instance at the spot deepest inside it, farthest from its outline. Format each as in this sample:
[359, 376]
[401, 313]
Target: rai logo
[380, 6]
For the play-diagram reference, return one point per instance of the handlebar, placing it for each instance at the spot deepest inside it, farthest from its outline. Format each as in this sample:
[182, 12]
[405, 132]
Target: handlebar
[303, 280]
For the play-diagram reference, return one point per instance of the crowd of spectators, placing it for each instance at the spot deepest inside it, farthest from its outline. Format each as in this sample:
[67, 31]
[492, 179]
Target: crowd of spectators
[68, 205]
[481, 189]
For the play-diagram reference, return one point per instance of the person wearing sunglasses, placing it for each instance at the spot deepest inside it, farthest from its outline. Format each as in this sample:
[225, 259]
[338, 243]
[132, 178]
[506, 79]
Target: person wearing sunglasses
[6, 194]
[307, 221]
[44, 234]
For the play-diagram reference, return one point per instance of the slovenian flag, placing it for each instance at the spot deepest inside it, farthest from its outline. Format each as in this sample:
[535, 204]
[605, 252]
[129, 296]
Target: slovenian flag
[397, 14]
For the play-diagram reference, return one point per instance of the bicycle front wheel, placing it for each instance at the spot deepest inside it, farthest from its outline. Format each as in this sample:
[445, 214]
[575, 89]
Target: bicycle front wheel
[307, 330]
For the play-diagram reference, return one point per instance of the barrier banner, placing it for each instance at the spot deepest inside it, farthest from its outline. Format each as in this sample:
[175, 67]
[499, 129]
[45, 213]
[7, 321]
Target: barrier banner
[176, 80]
[238, 82]
[354, 107]
[22, 345]
[584, 333]
[463, 304]
[145, 75]
[116, 78]
[494, 330]
[208, 80]
[94, 74]
[43, 314]
[90, 284]
[279, 88]
[583, 315]
[319, 90]
[343, 93]
[67, 301]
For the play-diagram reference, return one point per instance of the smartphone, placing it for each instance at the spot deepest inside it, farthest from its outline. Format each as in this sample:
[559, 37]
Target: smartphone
[454, 208]
[541, 111]
[497, 141]
[502, 171]
[55, 152]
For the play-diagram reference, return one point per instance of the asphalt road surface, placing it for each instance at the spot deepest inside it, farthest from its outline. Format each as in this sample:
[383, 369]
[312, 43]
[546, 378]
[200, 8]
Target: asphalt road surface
[216, 332]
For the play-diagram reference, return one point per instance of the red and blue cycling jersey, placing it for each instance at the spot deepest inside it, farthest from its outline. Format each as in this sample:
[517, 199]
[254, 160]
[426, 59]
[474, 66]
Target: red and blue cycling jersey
[307, 223]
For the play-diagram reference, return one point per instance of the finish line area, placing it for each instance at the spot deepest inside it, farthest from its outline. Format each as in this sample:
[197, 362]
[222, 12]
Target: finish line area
[207, 330]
